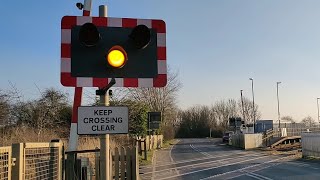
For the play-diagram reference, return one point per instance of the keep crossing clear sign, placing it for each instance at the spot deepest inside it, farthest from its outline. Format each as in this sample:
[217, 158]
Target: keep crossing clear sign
[102, 120]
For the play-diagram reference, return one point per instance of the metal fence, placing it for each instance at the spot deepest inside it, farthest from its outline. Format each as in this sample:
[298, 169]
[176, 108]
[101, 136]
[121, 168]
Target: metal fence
[294, 131]
[41, 161]
[5, 163]
[310, 144]
[37, 161]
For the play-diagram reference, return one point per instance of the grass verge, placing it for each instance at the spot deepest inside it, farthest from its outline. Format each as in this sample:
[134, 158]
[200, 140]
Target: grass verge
[144, 162]
[167, 144]
[311, 158]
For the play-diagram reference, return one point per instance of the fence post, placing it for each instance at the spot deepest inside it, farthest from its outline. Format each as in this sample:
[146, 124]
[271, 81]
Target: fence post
[161, 141]
[155, 139]
[61, 159]
[128, 163]
[148, 143]
[97, 165]
[122, 159]
[155, 145]
[139, 144]
[116, 163]
[110, 164]
[70, 166]
[135, 163]
[145, 149]
[18, 153]
[152, 140]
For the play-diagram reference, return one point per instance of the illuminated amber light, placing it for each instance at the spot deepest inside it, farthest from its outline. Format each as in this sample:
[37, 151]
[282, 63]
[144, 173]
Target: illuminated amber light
[117, 57]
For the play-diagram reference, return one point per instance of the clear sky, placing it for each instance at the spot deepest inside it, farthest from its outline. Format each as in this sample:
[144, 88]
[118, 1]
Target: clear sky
[215, 45]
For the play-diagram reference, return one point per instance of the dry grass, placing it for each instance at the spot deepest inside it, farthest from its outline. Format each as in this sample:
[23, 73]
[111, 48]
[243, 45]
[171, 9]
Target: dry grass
[294, 153]
[25, 134]
[93, 142]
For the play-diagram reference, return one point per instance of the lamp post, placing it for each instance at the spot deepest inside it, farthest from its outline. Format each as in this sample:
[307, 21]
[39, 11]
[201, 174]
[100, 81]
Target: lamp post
[278, 103]
[254, 112]
[244, 119]
[318, 108]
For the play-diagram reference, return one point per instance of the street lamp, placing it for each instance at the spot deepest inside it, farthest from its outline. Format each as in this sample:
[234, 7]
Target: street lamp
[244, 119]
[254, 112]
[318, 108]
[278, 103]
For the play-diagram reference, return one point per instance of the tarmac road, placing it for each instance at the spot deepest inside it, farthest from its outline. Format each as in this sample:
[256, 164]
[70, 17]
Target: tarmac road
[210, 159]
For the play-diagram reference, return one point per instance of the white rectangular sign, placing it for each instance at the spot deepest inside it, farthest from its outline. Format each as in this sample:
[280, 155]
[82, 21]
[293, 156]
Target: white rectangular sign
[103, 120]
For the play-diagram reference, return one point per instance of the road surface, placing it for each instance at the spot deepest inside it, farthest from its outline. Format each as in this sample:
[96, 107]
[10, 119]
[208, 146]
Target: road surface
[210, 159]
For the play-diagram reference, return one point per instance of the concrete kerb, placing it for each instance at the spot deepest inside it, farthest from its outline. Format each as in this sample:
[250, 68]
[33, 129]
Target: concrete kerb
[153, 162]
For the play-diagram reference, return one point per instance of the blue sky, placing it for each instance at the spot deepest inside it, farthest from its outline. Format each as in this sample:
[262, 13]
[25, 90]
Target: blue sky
[215, 45]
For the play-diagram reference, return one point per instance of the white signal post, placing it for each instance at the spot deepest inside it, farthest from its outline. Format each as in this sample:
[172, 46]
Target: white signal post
[73, 139]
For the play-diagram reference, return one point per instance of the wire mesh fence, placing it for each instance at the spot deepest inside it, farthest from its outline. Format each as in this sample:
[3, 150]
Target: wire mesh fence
[41, 163]
[294, 131]
[38, 161]
[5, 163]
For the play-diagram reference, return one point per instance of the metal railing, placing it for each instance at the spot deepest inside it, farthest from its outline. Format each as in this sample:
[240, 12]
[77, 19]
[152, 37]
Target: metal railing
[5, 163]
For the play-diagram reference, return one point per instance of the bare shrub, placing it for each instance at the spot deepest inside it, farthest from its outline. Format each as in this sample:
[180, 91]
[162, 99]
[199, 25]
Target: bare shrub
[21, 134]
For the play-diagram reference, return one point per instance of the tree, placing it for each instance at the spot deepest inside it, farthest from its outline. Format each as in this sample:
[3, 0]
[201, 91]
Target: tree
[50, 111]
[308, 121]
[162, 100]
[223, 110]
[138, 116]
[288, 118]
[249, 113]
[194, 122]
[4, 109]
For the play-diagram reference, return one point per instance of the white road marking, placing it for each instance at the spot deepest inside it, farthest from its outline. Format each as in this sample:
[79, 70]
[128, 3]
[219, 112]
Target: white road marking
[253, 176]
[259, 176]
[242, 169]
[198, 150]
[175, 169]
[302, 164]
[204, 158]
[196, 171]
[210, 161]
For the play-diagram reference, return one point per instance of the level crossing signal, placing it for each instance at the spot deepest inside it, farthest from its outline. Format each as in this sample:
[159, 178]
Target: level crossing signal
[96, 49]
